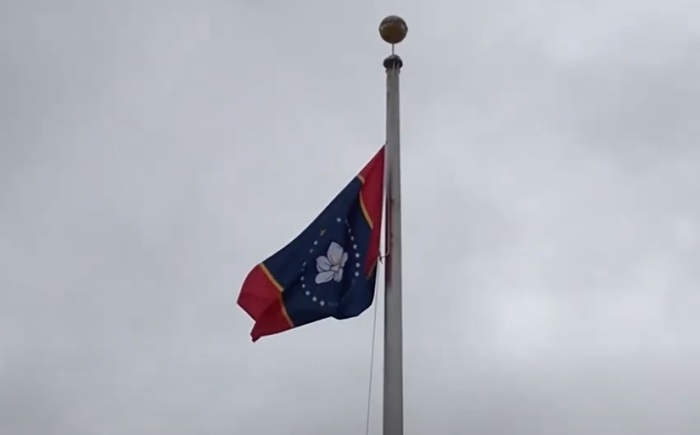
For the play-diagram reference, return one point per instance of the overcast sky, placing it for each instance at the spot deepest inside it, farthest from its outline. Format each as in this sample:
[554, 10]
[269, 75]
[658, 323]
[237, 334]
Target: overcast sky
[152, 152]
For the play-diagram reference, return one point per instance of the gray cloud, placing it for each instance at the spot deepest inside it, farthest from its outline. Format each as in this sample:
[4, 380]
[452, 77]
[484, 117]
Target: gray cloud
[150, 154]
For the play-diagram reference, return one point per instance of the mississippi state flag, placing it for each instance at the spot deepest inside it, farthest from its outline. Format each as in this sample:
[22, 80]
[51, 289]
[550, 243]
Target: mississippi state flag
[329, 270]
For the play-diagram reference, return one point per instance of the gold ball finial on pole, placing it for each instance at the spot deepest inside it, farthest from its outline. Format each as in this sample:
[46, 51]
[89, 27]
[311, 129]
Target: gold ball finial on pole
[393, 29]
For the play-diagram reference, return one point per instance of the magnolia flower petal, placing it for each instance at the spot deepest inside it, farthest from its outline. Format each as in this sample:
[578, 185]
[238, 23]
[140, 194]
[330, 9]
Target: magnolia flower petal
[324, 276]
[338, 276]
[322, 264]
[344, 260]
[335, 253]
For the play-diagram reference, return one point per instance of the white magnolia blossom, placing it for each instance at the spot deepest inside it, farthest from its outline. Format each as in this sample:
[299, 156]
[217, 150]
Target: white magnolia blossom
[330, 266]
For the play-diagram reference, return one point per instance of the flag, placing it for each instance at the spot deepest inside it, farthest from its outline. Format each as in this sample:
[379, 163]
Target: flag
[329, 270]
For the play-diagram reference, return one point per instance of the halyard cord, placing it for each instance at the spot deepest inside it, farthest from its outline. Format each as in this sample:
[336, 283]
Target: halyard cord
[371, 358]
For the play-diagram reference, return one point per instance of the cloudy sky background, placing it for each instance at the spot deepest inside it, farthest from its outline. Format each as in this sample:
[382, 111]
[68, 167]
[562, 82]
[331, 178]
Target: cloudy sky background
[152, 152]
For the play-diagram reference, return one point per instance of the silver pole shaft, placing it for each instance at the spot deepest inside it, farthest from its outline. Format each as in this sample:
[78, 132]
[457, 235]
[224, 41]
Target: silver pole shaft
[393, 331]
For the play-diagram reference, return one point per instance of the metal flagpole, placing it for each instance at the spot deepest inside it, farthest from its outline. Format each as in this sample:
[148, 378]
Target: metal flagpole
[393, 30]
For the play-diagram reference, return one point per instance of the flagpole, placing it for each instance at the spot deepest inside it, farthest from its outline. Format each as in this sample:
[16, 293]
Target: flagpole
[393, 30]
